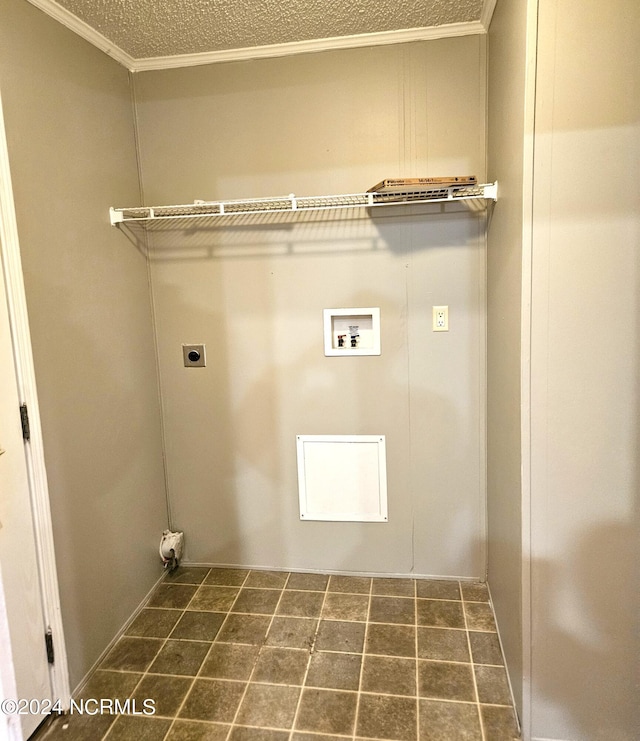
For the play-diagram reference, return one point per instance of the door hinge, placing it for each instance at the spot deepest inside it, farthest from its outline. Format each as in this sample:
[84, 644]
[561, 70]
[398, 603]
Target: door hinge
[48, 642]
[24, 418]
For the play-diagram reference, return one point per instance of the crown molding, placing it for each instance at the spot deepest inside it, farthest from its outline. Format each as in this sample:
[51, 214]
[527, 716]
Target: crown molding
[307, 47]
[488, 6]
[72, 22]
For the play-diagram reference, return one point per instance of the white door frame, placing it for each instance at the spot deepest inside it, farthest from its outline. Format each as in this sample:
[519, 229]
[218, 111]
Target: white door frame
[528, 226]
[34, 448]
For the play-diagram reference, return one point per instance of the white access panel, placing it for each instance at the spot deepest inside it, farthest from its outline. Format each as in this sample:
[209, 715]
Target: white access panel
[342, 478]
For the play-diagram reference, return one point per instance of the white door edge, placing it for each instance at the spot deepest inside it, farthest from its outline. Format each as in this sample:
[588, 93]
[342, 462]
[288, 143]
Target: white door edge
[10, 728]
[34, 449]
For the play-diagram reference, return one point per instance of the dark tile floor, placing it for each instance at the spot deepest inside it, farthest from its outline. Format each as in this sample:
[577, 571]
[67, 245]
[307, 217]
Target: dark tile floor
[245, 655]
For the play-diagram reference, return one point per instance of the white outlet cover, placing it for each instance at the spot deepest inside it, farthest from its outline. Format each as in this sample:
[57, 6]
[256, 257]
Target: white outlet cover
[440, 318]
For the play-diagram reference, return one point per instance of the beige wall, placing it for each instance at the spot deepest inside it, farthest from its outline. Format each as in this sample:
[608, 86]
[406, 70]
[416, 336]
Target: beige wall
[254, 293]
[507, 96]
[71, 145]
[585, 411]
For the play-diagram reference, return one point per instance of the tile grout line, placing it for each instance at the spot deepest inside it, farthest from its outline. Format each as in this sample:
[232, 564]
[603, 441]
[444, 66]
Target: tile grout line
[353, 594]
[472, 663]
[193, 681]
[311, 652]
[232, 725]
[364, 650]
[415, 613]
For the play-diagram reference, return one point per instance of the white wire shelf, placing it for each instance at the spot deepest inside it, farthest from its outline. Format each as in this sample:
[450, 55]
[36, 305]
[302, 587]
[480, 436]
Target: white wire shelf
[476, 197]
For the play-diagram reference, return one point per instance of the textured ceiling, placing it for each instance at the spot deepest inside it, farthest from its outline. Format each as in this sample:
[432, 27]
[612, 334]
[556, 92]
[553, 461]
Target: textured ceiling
[161, 28]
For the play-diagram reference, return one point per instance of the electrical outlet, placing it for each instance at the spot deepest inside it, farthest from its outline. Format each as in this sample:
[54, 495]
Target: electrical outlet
[193, 356]
[440, 318]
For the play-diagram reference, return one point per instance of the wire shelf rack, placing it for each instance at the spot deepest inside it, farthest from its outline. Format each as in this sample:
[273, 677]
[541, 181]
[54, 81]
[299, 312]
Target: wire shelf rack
[476, 197]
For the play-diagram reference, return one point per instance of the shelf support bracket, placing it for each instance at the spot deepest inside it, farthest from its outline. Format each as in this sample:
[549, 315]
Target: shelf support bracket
[115, 216]
[491, 191]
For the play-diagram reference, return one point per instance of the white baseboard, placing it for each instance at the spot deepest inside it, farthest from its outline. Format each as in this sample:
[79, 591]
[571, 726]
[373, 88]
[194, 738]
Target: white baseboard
[337, 572]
